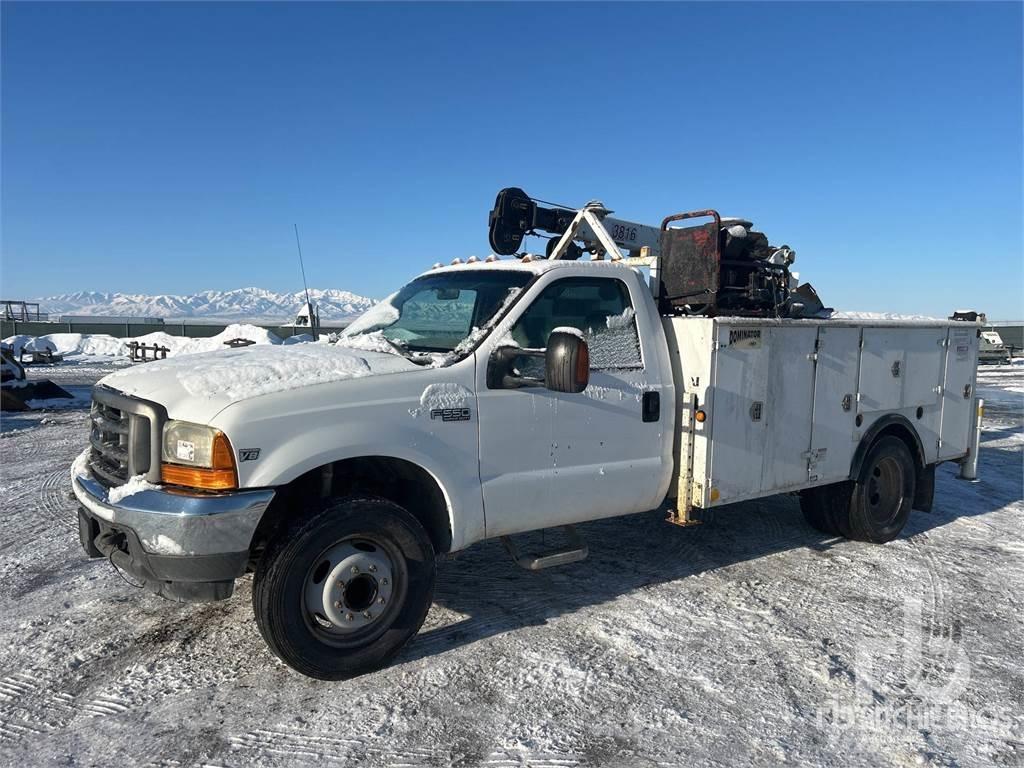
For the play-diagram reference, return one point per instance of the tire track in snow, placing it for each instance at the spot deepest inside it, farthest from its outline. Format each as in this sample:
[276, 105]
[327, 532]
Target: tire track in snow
[262, 743]
[102, 706]
[301, 744]
[27, 708]
[517, 759]
[54, 501]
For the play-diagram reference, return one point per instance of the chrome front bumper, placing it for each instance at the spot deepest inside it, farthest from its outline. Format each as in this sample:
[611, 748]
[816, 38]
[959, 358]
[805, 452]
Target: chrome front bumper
[173, 524]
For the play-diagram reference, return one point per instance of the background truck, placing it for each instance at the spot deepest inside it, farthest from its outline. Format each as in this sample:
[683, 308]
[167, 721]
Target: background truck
[991, 348]
[678, 367]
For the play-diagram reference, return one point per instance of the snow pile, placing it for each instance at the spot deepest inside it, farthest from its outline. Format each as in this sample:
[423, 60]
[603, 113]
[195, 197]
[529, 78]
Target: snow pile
[162, 545]
[569, 330]
[624, 320]
[136, 484]
[378, 316]
[183, 345]
[249, 372]
[17, 343]
[367, 342]
[69, 344]
[80, 466]
[443, 395]
[104, 345]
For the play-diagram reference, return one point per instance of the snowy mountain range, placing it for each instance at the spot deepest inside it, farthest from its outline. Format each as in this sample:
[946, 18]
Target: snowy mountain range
[237, 304]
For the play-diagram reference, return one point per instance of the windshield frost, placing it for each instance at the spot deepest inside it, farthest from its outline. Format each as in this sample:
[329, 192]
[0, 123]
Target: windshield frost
[437, 313]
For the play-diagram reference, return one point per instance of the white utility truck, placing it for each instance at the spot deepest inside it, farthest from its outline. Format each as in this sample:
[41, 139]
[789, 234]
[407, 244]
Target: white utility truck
[632, 368]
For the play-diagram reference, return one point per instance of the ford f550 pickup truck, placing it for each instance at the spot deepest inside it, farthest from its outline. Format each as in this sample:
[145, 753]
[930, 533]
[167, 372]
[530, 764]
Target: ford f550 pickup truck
[500, 396]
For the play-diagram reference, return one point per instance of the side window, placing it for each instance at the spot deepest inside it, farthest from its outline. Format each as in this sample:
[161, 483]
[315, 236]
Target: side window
[599, 307]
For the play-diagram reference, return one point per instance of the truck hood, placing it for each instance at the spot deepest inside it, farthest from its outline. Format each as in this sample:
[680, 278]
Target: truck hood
[196, 387]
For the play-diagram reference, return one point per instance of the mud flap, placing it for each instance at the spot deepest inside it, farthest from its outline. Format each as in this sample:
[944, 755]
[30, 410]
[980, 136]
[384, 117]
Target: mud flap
[924, 492]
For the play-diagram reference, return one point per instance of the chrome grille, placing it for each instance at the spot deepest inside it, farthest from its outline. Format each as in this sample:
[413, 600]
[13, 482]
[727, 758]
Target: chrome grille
[124, 437]
[109, 438]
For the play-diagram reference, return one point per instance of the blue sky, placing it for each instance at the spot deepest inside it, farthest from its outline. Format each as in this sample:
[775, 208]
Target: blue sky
[168, 148]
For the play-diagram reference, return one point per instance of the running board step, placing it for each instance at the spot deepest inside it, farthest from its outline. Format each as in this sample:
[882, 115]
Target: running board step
[577, 552]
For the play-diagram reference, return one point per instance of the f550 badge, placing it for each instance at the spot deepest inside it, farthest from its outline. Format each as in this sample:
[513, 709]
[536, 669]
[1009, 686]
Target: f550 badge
[450, 414]
[248, 454]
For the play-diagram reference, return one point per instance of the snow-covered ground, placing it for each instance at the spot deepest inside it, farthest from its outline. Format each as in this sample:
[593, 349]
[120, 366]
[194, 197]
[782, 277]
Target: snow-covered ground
[750, 639]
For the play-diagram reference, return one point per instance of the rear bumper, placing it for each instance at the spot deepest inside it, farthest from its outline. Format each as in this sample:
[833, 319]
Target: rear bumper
[187, 548]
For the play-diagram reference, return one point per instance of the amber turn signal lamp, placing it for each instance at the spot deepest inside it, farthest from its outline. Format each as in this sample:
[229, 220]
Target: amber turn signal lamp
[700, 416]
[583, 366]
[220, 477]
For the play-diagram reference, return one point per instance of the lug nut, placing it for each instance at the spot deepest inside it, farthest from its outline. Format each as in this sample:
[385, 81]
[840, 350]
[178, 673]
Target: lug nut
[384, 582]
[367, 614]
[341, 583]
[380, 600]
[337, 605]
[349, 617]
[373, 569]
[355, 569]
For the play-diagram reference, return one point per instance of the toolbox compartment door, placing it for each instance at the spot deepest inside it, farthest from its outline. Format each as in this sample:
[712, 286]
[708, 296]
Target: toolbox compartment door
[737, 423]
[881, 370]
[787, 407]
[958, 391]
[835, 404]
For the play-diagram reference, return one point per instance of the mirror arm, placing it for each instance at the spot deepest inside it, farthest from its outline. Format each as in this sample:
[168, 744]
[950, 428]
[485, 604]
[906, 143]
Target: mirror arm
[498, 376]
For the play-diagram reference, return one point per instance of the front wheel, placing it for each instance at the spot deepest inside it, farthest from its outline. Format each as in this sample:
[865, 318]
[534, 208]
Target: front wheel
[345, 588]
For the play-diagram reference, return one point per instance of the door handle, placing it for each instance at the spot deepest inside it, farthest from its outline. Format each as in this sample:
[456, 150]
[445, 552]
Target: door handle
[650, 406]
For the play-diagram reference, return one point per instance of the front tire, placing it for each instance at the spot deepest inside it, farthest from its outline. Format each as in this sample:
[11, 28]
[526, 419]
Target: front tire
[345, 587]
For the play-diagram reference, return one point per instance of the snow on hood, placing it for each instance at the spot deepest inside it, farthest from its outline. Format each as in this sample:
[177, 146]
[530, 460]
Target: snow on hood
[209, 381]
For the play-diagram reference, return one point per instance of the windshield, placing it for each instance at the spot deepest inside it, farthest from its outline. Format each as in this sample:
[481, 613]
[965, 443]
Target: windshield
[435, 313]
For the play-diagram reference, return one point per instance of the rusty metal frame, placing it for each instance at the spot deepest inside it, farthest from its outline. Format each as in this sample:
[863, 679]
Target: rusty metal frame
[716, 253]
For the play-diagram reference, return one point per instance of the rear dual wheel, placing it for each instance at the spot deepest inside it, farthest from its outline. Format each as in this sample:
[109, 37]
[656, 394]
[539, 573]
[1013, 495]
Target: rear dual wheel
[345, 588]
[876, 505]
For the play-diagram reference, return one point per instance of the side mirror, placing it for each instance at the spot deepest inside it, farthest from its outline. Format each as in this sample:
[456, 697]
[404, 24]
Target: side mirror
[566, 364]
[567, 361]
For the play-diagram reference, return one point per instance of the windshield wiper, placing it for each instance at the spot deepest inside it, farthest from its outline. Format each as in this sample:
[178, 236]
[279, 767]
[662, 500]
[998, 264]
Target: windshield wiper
[398, 347]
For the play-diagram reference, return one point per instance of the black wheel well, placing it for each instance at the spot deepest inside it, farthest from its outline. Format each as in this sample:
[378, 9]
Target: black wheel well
[403, 482]
[895, 425]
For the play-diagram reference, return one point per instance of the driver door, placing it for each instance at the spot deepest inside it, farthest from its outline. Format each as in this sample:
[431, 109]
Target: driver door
[549, 458]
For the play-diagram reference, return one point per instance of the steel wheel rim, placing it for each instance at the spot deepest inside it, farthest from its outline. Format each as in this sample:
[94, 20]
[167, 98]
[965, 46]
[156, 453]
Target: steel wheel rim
[884, 490]
[353, 590]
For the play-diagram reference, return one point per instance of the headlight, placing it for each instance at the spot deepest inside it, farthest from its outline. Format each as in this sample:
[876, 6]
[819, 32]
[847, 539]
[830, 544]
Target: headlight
[197, 456]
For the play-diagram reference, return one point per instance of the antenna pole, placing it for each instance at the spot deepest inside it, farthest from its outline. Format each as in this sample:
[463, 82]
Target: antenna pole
[302, 268]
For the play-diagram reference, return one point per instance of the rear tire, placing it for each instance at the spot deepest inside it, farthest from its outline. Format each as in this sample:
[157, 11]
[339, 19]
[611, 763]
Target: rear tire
[876, 505]
[344, 588]
[883, 493]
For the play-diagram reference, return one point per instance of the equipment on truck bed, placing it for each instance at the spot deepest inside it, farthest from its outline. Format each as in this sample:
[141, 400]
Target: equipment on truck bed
[720, 267]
